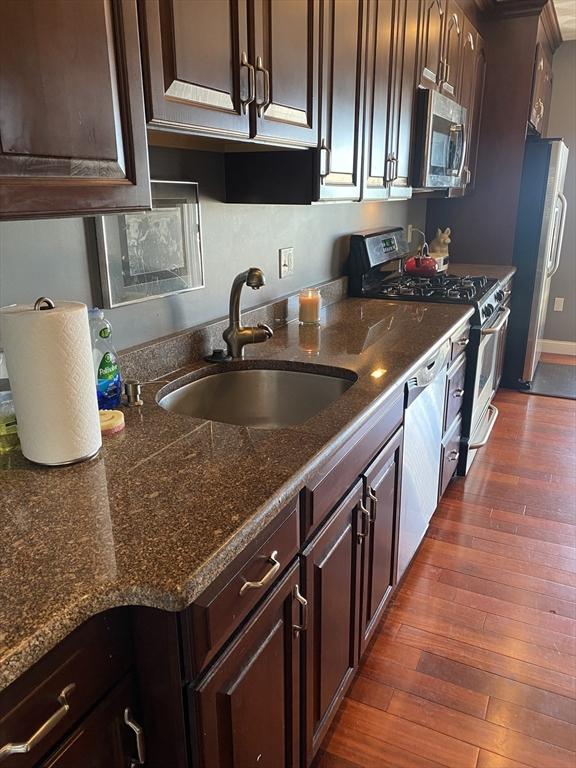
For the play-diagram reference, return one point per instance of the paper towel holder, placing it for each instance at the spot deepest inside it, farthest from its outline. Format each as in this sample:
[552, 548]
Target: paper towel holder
[44, 300]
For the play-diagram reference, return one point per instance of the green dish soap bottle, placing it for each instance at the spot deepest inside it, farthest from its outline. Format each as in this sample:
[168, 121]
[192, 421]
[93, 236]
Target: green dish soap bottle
[106, 370]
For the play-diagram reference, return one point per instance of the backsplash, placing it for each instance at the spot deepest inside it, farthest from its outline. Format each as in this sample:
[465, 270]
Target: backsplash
[57, 257]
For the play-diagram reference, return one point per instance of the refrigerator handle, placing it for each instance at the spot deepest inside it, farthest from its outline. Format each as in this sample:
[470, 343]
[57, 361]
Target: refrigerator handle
[556, 262]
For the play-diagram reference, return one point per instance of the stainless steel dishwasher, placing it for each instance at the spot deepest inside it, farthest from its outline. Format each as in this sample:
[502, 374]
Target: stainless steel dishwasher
[423, 421]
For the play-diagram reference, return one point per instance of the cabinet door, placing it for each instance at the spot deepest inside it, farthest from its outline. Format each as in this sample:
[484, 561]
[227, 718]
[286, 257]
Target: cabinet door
[382, 487]
[431, 30]
[72, 129]
[197, 74]
[452, 50]
[537, 106]
[402, 95]
[286, 44]
[467, 85]
[105, 739]
[380, 45]
[248, 706]
[332, 576]
[476, 111]
[342, 100]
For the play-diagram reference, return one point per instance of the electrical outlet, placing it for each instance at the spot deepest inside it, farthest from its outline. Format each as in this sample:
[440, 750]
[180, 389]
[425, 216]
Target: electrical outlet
[558, 304]
[286, 261]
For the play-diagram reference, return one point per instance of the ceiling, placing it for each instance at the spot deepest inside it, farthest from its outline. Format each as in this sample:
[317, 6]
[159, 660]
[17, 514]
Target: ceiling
[566, 12]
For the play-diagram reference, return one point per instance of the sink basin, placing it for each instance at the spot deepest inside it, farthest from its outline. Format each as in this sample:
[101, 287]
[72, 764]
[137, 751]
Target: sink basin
[258, 397]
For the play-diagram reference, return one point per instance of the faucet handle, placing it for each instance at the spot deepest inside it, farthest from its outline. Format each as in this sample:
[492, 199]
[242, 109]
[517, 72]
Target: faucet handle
[267, 330]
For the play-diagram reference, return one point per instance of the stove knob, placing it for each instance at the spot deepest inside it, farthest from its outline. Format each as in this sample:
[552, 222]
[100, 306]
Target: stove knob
[488, 310]
[499, 295]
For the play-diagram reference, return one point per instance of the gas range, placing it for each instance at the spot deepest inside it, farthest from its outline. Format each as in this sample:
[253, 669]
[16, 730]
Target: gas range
[371, 276]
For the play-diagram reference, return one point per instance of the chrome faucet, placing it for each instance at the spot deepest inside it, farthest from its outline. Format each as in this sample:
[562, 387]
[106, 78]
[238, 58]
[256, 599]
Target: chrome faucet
[235, 336]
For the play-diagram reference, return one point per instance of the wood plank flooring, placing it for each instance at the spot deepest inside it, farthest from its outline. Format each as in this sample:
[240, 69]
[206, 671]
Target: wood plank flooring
[552, 357]
[474, 664]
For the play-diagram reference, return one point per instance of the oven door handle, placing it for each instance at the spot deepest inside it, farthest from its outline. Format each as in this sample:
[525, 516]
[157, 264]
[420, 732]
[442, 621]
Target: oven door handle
[499, 325]
[493, 411]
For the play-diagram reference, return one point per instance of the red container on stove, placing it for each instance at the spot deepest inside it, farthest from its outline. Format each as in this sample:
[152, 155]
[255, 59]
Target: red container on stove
[421, 266]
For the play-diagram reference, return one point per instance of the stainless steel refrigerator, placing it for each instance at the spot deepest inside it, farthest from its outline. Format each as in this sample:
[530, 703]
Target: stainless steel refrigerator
[537, 249]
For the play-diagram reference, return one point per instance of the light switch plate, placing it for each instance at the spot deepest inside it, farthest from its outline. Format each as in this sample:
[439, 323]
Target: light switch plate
[286, 261]
[558, 304]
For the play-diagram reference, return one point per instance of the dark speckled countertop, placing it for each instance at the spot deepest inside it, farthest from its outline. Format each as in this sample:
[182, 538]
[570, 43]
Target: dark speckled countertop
[171, 500]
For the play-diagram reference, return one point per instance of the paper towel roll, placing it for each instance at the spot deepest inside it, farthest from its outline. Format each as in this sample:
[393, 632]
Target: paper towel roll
[49, 360]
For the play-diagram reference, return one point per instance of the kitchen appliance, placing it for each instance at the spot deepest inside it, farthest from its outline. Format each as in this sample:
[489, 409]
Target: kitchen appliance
[537, 247]
[375, 271]
[423, 417]
[440, 146]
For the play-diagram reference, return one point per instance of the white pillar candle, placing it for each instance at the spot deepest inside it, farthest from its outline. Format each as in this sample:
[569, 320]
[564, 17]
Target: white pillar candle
[310, 302]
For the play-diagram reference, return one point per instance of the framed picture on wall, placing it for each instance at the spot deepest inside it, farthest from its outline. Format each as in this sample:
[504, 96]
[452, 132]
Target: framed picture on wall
[148, 254]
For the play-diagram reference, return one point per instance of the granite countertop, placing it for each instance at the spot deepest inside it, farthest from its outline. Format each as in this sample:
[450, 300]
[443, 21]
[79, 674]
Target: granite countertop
[171, 500]
[498, 271]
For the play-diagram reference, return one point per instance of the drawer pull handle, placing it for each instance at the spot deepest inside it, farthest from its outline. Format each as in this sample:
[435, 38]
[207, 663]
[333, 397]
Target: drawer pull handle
[374, 499]
[22, 748]
[268, 576]
[304, 605]
[365, 522]
[458, 393]
[251, 82]
[453, 455]
[139, 732]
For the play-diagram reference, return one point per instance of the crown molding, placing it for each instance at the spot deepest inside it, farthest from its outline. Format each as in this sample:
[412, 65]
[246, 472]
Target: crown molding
[551, 26]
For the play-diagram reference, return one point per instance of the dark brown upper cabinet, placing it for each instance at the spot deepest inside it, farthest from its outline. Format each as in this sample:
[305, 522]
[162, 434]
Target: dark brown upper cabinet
[72, 127]
[541, 91]
[451, 50]
[197, 72]
[285, 54]
[343, 29]
[234, 69]
[391, 41]
[433, 13]
[471, 93]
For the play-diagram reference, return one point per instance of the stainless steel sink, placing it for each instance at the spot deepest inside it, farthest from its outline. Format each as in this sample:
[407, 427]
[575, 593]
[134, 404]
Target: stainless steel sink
[262, 397]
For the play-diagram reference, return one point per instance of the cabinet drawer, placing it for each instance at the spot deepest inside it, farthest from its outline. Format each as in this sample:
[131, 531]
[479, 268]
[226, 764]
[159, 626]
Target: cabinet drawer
[454, 393]
[75, 674]
[221, 608]
[345, 467]
[450, 453]
[459, 342]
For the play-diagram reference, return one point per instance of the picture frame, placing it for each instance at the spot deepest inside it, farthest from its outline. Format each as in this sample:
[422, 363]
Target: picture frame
[150, 254]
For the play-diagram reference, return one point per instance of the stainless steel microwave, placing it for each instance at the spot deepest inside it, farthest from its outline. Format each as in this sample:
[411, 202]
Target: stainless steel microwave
[441, 138]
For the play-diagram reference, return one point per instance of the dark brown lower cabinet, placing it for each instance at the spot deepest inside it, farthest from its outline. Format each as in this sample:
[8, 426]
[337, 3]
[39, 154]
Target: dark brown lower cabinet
[248, 706]
[382, 488]
[104, 739]
[331, 565]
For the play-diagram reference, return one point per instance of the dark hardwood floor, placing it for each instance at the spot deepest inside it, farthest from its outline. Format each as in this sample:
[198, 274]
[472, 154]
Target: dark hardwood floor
[474, 665]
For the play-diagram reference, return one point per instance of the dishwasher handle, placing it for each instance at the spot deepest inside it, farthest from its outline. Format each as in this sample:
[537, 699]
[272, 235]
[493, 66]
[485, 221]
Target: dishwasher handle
[425, 375]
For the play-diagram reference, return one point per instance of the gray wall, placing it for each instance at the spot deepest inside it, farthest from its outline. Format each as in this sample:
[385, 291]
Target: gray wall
[561, 326]
[58, 257]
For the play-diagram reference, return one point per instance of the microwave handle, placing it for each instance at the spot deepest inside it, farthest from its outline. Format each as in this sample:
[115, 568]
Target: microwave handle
[464, 148]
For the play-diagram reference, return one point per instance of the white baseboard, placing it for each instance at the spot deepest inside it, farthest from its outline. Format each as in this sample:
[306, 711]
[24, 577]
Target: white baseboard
[558, 347]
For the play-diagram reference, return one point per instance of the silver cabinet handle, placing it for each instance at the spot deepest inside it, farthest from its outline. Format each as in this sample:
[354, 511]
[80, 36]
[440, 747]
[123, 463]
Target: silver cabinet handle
[458, 393]
[304, 605]
[261, 105]
[374, 499]
[365, 522]
[251, 82]
[453, 455]
[23, 747]
[491, 421]
[139, 733]
[268, 576]
[326, 148]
